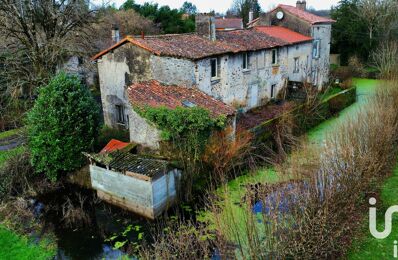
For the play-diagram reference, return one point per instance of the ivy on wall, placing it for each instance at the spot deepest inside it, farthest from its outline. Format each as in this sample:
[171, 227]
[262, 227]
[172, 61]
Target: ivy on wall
[187, 130]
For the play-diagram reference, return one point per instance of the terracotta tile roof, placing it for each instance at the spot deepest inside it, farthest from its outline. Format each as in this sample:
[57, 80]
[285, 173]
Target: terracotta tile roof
[114, 145]
[225, 23]
[195, 47]
[283, 33]
[190, 46]
[248, 40]
[154, 94]
[253, 22]
[307, 16]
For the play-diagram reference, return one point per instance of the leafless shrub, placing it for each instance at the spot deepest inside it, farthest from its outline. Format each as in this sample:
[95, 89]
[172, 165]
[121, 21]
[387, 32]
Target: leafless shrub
[317, 217]
[179, 241]
[385, 59]
[75, 216]
[226, 152]
[16, 176]
[357, 67]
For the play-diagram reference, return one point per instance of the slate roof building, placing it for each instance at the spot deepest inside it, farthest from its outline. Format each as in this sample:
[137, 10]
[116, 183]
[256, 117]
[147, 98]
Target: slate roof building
[220, 70]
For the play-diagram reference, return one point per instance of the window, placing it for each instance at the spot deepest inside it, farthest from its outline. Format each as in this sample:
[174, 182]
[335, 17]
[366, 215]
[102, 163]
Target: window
[274, 57]
[246, 61]
[296, 65]
[214, 68]
[273, 88]
[316, 49]
[120, 114]
[261, 60]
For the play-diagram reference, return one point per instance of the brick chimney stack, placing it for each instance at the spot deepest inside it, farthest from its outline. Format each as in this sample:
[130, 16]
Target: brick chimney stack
[206, 26]
[302, 5]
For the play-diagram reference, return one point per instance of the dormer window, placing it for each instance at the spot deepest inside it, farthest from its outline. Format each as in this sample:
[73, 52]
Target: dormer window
[245, 64]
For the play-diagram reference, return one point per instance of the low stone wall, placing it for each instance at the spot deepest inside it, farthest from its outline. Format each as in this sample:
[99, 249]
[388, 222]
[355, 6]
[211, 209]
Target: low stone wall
[329, 107]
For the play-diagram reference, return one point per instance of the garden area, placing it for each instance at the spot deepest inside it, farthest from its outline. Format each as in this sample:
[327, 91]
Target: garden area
[105, 231]
[232, 213]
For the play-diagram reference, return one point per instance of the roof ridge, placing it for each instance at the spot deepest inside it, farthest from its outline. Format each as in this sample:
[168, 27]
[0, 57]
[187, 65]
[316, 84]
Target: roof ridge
[163, 35]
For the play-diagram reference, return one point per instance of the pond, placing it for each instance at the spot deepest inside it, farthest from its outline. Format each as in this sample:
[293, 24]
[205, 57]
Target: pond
[87, 228]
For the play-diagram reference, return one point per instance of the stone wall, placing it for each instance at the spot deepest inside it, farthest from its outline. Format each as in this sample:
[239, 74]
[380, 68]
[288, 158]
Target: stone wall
[172, 71]
[323, 33]
[236, 86]
[289, 21]
[143, 132]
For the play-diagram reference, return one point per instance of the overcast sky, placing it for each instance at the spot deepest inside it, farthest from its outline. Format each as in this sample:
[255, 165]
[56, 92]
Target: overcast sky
[223, 5]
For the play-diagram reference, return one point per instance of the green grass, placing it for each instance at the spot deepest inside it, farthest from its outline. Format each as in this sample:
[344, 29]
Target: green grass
[5, 155]
[368, 247]
[330, 92]
[365, 88]
[17, 247]
[10, 133]
[233, 214]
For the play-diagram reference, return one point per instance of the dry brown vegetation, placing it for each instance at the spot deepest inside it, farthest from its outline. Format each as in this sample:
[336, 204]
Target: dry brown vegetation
[226, 152]
[317, 215]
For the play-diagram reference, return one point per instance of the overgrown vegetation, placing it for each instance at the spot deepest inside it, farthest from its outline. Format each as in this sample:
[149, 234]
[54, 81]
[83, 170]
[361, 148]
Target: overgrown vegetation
[307, 217]
[361, 25]
[62, 124]
[186, 131]
[169, 20]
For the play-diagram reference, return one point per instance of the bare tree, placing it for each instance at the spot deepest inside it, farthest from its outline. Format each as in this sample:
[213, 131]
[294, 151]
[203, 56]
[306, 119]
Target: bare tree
[129, 22]
[242, 8]
[38, 34]
[385, 59]
[378, 15]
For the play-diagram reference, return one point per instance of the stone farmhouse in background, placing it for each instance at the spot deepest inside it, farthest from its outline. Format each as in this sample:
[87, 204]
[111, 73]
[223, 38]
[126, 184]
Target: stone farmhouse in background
[230, 69]
[229, 24]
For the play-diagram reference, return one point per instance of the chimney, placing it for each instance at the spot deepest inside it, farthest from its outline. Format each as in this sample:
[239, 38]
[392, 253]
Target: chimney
[302, 5]
[115, 34]
[206, 26]
[251, 16]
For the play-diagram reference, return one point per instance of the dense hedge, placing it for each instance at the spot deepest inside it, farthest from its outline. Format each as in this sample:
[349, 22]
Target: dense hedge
[63, 123]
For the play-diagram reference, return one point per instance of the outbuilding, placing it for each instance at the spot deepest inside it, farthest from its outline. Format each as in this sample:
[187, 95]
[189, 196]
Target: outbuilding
[144, 185]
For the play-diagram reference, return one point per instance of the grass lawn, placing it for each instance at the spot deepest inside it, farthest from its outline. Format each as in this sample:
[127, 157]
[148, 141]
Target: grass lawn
[10, 133]
[13, 246]
[233, 214]
[16, 247]
[4, 155]
[368, 247]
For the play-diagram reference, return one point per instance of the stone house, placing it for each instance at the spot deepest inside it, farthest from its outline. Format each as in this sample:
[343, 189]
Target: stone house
[299, 20]
[238, 68]
[228, 24]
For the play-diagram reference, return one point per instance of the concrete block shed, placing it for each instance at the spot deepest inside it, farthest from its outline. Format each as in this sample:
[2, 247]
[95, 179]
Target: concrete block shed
[143, 185]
